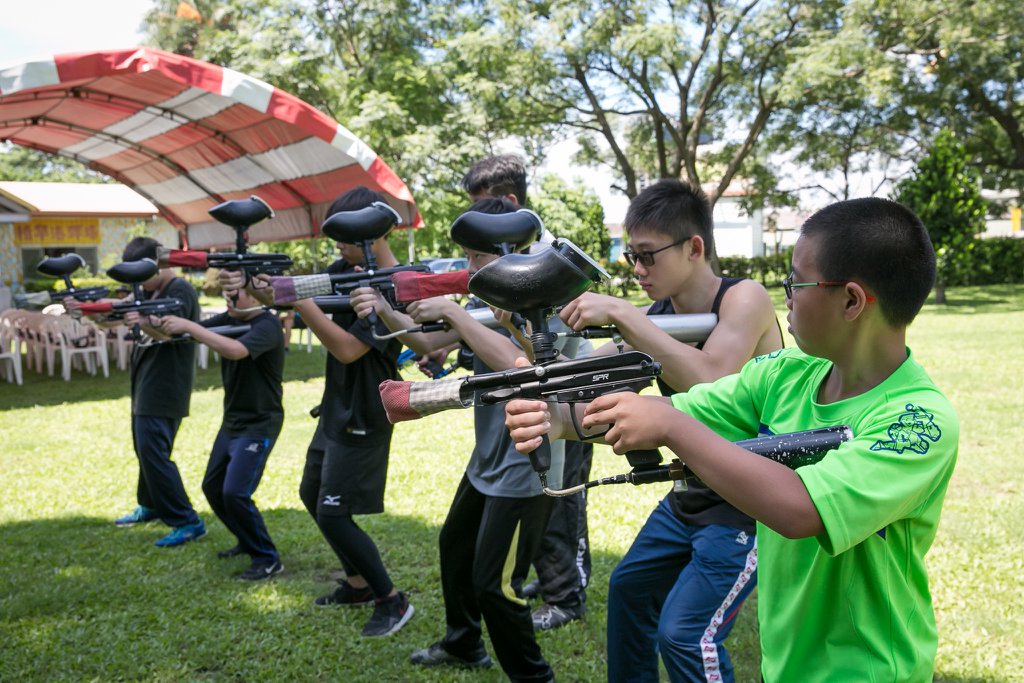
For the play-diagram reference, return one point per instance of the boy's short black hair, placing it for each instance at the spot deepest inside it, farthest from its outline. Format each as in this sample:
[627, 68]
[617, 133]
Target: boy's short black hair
[672, 208]
[497, 176]
[358, 197]
[881, 244]
[139, 248]
[493, 205]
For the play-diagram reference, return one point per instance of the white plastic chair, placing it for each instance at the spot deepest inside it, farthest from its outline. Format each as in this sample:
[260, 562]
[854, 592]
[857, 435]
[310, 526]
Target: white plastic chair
[41, 341]
[203, 352]
[10, 351]
[83, 339]
[119, 345]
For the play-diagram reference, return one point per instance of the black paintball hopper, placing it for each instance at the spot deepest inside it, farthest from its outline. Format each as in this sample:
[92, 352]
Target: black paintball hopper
[534, 282]
[361, 225]
[134, 272]
[241, 213]
[497, 233]
[60, 266]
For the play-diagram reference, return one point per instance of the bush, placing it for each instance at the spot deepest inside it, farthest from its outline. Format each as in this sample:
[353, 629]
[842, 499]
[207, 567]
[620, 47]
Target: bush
[768, 270]
[995, 261]
[46, 284]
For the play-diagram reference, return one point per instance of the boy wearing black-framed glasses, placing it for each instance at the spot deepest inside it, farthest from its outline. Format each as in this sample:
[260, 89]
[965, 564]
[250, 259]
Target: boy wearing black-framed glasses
[843, 594]
[681, 584]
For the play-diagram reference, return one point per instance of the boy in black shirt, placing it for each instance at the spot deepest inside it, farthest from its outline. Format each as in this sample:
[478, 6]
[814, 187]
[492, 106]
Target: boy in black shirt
[161, 377]
[251, 369]
[347, 460]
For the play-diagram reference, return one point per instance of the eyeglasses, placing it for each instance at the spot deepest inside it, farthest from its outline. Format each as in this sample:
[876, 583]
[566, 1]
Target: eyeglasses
[646, 258]
[788, 285]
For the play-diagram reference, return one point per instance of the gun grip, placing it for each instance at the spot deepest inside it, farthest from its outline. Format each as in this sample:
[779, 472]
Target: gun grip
[540, 459]
[643, 459]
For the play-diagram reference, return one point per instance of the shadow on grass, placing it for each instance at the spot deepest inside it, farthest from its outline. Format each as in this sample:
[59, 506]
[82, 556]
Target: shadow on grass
[81, 599]
[43, 390]
[992, 299]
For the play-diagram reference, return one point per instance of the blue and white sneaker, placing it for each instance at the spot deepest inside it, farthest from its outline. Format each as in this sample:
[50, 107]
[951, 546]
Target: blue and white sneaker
[137, 516]
[182, 534]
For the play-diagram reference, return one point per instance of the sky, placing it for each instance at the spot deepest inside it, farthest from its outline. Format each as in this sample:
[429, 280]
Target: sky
[39, 28]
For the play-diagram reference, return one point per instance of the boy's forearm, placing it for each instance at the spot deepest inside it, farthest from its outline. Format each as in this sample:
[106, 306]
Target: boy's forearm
[769, 492]
[494, 349]
[341, 344]
[232, 349]
[420, 342]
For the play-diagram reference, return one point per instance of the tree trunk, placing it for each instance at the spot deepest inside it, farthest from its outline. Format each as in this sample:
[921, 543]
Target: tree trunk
[940, 293]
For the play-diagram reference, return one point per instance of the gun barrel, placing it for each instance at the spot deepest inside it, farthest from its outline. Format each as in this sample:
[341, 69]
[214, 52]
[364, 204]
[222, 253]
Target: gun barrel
[79, 294]
[684, 327]
[798, 448]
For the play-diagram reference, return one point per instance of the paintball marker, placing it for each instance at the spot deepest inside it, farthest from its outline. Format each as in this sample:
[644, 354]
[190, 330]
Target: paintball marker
[240, 215]
[533, 284]
[684, 327]
[134, 273]
[500, 234]
[232, 331]
[63, 267]
[361, 227]
[408, 284]
[793, 450]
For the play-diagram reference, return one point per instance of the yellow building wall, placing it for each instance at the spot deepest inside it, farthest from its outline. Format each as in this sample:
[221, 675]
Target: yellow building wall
[114, 233]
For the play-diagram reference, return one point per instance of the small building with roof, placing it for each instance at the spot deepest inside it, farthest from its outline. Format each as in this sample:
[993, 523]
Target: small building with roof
[93, 220]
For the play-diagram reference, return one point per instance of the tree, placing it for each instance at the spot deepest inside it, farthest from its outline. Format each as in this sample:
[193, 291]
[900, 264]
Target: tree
[656, 88]
[945, 193]
[26, 164]
[381, 67]
[574, 214]
[961, 61]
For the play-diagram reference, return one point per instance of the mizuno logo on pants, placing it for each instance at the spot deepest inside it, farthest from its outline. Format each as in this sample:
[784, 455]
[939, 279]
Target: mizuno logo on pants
[332, 500]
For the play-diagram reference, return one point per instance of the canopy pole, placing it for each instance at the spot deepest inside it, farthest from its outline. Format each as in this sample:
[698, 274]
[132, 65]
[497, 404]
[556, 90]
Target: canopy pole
[412, 245]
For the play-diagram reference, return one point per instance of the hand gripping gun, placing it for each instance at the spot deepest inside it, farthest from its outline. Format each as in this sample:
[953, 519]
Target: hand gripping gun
[134, 273]
[793, 450]
[240, 215]
[63, 267]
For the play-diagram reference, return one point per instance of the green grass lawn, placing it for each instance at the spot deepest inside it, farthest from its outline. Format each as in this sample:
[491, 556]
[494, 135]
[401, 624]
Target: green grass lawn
[82, 600]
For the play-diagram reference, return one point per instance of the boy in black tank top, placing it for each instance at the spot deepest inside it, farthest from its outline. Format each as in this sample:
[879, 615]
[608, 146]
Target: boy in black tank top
[680, 586]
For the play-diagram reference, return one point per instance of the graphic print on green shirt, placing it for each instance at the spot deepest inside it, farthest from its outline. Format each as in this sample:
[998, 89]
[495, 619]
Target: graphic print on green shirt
[913, 430]
[851, 604]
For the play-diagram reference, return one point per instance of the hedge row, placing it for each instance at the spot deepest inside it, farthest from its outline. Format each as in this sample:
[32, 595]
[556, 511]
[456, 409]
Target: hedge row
[999, 260]
[995, 261]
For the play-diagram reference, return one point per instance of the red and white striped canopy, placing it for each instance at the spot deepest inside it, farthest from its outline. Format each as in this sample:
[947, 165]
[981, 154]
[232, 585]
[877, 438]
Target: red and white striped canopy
[188, 135]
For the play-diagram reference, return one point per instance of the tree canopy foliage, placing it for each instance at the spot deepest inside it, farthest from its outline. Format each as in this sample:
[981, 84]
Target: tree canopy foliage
[26, 164]
[782, 95]
[944, 192]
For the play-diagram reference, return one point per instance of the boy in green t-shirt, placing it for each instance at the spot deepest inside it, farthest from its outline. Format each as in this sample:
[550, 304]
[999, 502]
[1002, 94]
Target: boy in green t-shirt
[843, 587]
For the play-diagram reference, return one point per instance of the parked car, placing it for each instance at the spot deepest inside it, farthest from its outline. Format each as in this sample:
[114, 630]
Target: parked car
[447, 265]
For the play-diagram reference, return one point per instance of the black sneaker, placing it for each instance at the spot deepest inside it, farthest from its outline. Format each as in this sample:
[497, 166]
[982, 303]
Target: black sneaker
[530, 590]
[436, 655]
[346, 596]
[229, 553]
[262, 571]
[389, 616]
[548, 616]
